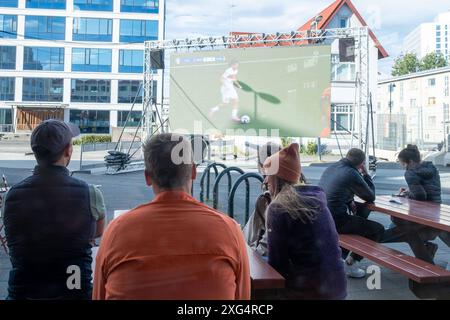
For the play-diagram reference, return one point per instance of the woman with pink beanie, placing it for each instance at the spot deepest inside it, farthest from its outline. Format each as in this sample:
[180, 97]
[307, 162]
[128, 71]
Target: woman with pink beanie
[302, 239]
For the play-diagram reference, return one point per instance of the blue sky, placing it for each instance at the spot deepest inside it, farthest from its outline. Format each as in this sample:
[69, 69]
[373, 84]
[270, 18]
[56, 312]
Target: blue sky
[391, 20]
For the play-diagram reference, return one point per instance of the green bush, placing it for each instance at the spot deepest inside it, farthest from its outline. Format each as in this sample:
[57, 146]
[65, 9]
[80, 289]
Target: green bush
[92, 139]
[311, 148]
[285, 142]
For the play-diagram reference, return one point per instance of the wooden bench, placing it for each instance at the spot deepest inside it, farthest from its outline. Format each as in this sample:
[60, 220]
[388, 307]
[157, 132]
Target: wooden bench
[413, 268]
[263, 276]
[426, 280]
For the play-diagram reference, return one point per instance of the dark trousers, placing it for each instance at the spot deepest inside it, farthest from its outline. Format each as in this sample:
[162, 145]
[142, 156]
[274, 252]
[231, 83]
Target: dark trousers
[359, 224]
[414, 234]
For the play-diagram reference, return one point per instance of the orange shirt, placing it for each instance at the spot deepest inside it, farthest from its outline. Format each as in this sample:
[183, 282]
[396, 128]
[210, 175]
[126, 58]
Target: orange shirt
[172, 248]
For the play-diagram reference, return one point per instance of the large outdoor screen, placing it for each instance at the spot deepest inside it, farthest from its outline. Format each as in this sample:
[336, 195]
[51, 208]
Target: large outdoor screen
[284, 88]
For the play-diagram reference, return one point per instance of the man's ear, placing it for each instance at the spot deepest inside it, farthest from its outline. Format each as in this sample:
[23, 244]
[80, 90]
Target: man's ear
[68, 151]
[194, 172]
[148, 179]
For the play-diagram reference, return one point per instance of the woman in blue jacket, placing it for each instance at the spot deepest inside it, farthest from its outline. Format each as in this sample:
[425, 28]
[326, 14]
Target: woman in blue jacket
[302, 238]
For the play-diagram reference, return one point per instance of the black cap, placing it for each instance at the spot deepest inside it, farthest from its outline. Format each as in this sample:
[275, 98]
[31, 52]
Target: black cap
[53, 136]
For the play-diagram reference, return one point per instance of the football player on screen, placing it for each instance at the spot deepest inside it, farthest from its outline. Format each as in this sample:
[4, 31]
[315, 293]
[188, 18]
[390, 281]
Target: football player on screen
[228, 91]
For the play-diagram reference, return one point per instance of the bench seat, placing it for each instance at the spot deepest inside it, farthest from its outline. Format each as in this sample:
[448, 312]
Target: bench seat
[413, 268]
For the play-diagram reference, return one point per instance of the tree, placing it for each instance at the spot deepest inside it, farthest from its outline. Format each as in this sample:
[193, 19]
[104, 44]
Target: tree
[432, 61]
[405, 64]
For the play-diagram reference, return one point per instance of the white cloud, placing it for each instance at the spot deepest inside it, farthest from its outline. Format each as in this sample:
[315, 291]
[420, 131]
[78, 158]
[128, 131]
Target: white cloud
[391, 20]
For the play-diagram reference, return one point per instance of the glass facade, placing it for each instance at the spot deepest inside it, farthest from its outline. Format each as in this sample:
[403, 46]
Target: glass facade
[138, 30]
[92, 60]
[42, 89]
[145, 6]
[5, 117]
[7, 88]
[8, 26]
[90, 90]
[92, 29]
[91, 121]
[128, 90]
[45, 28]
[46, 4]
[133, 120]
[93, 5]
[131, 61]
[43, 58]
[9, 3]
[7, 57]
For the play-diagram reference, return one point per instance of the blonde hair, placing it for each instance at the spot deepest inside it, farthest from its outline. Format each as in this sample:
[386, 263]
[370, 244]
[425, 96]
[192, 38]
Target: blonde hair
[297, 206]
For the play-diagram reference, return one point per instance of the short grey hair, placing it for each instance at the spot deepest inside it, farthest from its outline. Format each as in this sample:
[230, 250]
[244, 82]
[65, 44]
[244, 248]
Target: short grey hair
[165, 158]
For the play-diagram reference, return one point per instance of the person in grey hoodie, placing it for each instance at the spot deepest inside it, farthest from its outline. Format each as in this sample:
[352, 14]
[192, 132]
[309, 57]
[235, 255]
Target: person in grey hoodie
[424, 184]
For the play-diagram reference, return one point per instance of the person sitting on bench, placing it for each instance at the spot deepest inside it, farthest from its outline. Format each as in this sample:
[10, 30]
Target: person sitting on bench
[302, 238]
[174, 247]
[424, 184]
[341, 182]
[255, 229]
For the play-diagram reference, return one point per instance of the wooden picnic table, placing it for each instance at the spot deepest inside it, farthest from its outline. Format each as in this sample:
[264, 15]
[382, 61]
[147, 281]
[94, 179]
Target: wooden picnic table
[426, 213]
[262, 275]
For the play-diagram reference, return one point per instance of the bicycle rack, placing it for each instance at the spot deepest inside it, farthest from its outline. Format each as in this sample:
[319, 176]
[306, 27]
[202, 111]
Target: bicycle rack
[216, 183]
[232, 193]
[206, 174]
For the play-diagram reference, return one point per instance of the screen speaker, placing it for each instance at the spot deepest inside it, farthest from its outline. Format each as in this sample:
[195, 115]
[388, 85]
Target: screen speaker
[347, 50]
[157, 59]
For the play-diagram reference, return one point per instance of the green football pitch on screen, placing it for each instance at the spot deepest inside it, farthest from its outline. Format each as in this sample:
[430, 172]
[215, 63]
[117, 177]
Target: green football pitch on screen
[284, 88]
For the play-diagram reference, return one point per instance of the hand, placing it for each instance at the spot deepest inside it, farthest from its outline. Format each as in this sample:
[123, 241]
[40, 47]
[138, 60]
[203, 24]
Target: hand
[363, 169]
[402, 190]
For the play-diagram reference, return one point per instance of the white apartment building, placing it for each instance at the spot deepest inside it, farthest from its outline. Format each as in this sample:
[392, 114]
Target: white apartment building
[76, 60]
[430, 37]
[414, 109]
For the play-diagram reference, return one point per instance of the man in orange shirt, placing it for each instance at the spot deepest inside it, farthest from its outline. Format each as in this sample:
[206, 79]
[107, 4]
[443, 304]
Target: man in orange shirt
[173, 247]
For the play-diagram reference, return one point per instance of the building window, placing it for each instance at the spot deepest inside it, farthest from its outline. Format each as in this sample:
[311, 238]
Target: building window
[432, 101]
[45, 28]
[90, 90]
[402, 91]
[446, 86]
[413, 85]
[91, 60]
[413, 103]
[8, 3]
[46, 4]
[128, 89]
[90, 121]
[131, 61]
[342, 118]
[344, 23]
[7, 88]
[146, 6]
[94, 5]
[431, 82]
[7, 57]
[342, 71]
[138, 30]
[8, 26]
[133, 120]
[5, 120]
[41, 89]
[92, 29]
[432, 121]
[43, 58]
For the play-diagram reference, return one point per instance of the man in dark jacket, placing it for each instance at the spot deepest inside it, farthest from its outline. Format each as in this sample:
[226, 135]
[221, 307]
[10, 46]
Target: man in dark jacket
[50, 222]
[341, 182]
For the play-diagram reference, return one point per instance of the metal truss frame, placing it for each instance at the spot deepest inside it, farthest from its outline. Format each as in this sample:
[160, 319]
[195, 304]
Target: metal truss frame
[156, 113]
